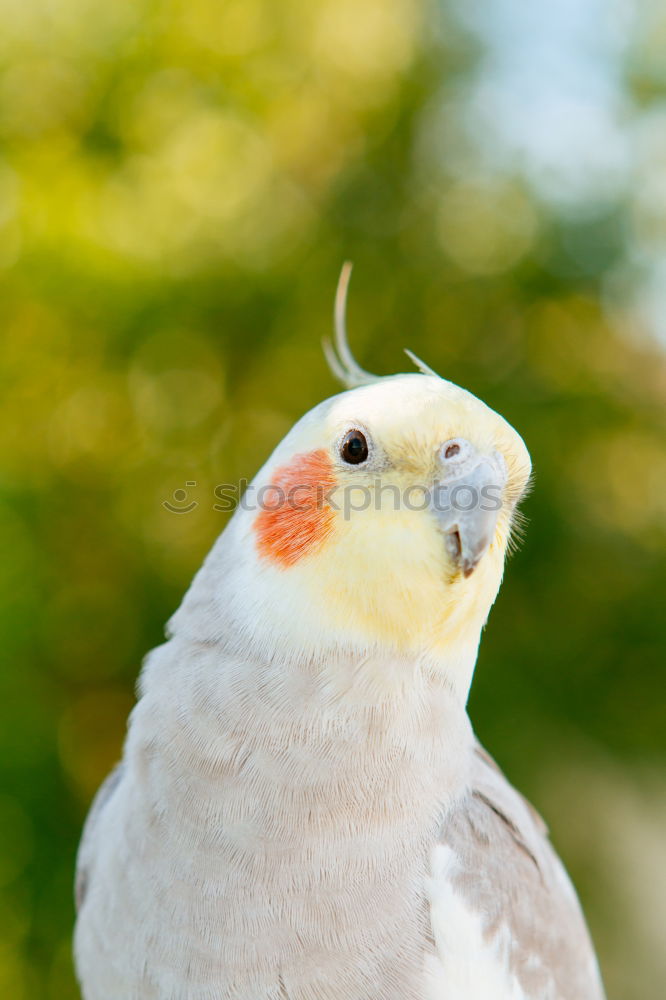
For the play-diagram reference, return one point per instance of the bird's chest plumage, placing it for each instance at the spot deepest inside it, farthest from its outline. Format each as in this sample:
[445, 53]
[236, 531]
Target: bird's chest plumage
[285, 868]
[191, 900]
[187, 920]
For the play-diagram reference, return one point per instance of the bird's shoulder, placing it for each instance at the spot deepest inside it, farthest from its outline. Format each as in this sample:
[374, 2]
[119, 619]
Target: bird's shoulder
[85, 855]
[502, 904]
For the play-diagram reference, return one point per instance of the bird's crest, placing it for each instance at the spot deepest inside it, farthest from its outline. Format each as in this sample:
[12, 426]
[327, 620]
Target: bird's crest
[338, 354]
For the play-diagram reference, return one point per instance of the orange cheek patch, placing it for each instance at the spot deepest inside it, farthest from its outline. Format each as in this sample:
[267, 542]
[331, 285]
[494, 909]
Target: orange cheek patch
[295, 517]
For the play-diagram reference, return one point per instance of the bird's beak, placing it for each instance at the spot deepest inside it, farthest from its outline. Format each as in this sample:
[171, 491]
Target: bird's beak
[466, 500]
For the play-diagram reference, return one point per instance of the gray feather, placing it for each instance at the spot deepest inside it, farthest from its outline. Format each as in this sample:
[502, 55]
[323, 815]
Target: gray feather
[85, 855]
[508, 871]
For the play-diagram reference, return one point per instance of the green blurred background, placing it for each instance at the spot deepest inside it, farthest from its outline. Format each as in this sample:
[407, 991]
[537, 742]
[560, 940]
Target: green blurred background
[179, 184]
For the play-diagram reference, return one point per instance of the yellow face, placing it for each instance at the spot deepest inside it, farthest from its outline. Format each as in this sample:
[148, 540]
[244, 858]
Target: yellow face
[390, 506]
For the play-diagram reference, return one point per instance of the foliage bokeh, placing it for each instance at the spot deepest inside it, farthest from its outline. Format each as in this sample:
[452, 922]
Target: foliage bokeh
[179, 184]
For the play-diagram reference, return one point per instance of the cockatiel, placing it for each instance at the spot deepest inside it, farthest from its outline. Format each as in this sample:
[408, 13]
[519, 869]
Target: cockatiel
[302, 811]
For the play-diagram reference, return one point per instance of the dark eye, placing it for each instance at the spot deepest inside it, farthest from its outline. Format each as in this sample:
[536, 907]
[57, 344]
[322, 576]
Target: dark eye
[354, 448]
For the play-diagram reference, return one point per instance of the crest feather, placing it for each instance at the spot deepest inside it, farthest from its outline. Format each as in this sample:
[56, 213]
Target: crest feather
[420, 365]
[340, 359]
[338, 354]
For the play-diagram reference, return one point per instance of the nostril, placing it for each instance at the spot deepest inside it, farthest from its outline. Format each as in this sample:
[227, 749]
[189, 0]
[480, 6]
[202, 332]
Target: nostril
[455, 453]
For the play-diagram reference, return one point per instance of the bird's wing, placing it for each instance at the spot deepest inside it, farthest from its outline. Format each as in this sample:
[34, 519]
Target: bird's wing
[505, 918]
[85, 856]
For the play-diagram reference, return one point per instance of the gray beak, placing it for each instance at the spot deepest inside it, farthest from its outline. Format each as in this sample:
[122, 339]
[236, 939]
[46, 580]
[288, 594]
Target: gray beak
[467, 499]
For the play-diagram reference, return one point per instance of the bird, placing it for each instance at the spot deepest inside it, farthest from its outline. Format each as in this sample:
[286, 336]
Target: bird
[302, 810]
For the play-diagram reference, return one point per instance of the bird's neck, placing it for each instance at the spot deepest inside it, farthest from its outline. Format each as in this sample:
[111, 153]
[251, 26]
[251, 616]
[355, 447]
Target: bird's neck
[311, 727]
[311, 802]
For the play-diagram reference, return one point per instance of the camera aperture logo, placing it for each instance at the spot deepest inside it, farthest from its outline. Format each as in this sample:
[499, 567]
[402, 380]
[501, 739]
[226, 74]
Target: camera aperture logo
[180, 502]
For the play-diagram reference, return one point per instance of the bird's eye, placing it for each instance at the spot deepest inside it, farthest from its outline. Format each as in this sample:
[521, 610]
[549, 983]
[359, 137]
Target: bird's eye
[354, 448]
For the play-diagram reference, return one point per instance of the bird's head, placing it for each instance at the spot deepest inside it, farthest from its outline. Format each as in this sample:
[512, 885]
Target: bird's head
[381, 521]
